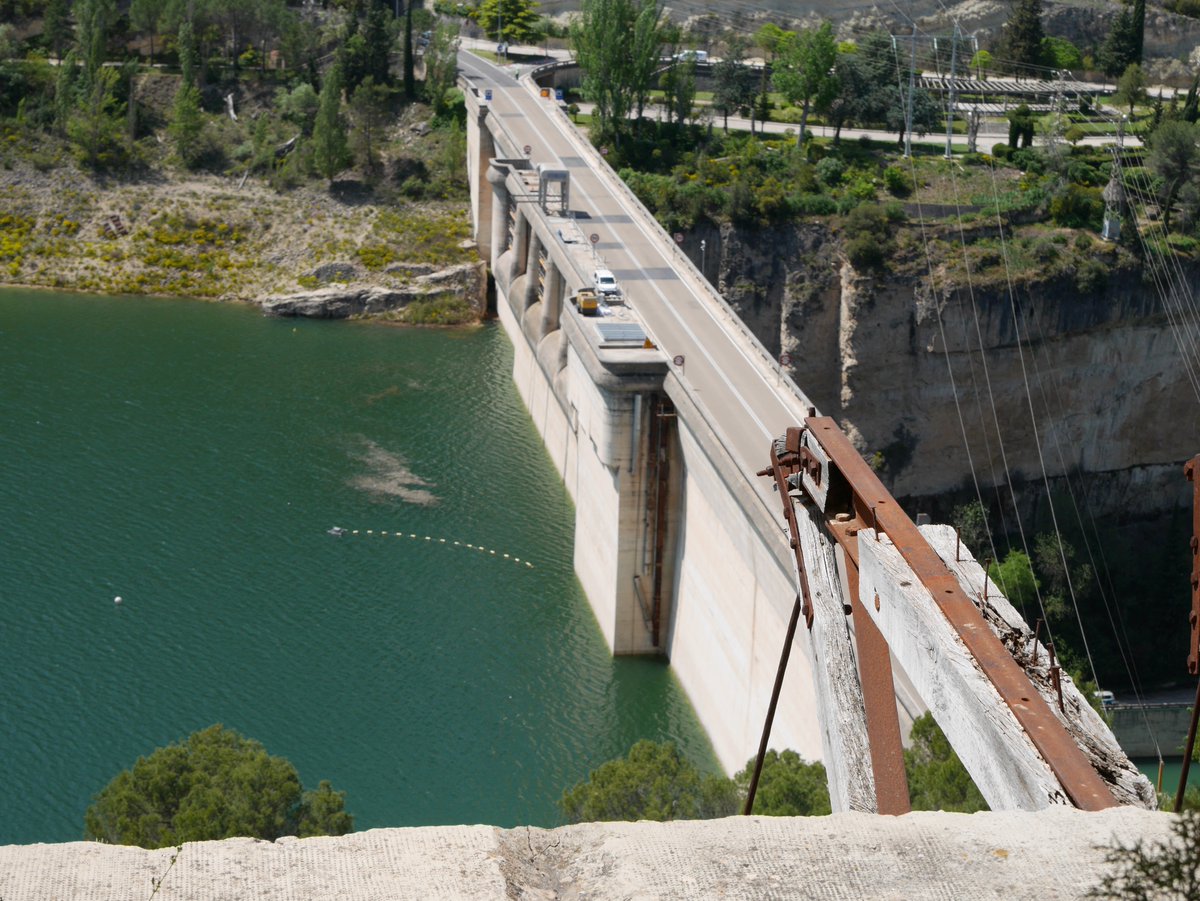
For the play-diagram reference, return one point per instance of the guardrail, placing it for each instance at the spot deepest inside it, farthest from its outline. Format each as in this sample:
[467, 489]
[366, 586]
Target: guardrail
[705, 287]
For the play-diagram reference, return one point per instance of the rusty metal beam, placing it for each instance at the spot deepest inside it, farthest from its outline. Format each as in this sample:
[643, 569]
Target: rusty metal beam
[878, 688]
[1193, 660]
[878, 509]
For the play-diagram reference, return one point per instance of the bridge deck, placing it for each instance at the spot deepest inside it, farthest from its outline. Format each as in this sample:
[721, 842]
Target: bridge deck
[748, 400]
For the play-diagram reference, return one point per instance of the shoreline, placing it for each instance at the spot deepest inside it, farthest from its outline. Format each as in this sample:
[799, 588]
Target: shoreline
[306, 252]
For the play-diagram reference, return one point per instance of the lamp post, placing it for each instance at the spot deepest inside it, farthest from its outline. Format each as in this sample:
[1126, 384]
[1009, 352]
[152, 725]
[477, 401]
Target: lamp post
[703, 247]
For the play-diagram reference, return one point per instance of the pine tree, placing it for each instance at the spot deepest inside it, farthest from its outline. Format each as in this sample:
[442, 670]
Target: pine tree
[1119, 50]
[1139, 29]
[1021, 43]
[330, 151]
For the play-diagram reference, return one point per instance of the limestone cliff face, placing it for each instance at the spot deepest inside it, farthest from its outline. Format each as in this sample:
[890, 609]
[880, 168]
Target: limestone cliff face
[902, 369]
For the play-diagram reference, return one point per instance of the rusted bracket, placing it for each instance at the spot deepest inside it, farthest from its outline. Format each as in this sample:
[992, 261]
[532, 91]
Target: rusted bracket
[786, 462]
[1193, 660]
[847, 482]
[797, 466]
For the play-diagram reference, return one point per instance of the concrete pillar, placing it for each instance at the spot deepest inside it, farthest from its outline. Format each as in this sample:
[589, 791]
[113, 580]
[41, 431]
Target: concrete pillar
[496, 177]
[520, 246]
[480, 141]
[551, 298]
[531, 270]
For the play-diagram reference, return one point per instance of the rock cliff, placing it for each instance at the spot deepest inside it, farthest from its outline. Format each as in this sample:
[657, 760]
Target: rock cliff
[1079, 375]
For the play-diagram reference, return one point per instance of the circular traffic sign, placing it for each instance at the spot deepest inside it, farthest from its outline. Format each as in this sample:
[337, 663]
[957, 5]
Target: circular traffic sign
[678, 361]
[785, 359]
[528, 150]
[594, 238]
[678, 237]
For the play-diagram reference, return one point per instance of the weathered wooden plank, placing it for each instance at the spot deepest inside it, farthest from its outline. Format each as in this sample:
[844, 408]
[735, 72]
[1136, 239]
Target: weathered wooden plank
[981, 727]
[835, 674]
[1080, 719]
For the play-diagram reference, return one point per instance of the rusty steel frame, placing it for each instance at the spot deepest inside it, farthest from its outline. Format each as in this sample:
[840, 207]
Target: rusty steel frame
[874, 505]
[874, 658]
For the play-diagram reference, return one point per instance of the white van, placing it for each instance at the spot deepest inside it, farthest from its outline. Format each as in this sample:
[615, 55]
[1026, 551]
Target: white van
[700, 56]
[605, 283]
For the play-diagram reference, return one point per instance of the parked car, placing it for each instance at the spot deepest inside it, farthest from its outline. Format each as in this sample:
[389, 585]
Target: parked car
[605, 283]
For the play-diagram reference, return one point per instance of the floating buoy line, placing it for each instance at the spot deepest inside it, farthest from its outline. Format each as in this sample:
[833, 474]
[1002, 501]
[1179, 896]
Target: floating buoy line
[339, 532]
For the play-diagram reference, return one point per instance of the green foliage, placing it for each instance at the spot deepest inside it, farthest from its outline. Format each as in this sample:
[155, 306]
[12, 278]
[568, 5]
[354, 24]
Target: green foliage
[1021, 40]
[214, 785]
[868, 236]
[617, 44]
[787, 787]
[1015, 579]
[331, 153]
[514, 21]
[1059, 53]
[187, 124]
[897, 181]
[1076, 206]
[1155, 871]
[937, 780]
[96, 126]
[1120, 49]
[365, 50]
[804, 70]
[970, 521]
[299, 106]
[1131, 87]
[1020, 127]
[370, 113]
[653, 782]
[1175, 159]
[441, 68]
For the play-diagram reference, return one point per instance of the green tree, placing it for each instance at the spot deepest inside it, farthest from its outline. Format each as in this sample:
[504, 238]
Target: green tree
[94, 19]
[369, 112]
[1059, 53]
[144, 18]
[365, 53]
[1021, 42]
[187, 125]
[804, 72]
[970, 520]
[768, 38]
[734, 81]
[216, 784]
[512, 21]
[330, 151]
[1131, 87]
[299, 106]
[56, 25]
[441, 67]
[1120, 47]
[653, 782]
[96, 126]
[617, 45]
[937, 780]
[679, 89]
[982, 63]
[1015, 579]
[188, 55]
[788, 786]
[1175, 158]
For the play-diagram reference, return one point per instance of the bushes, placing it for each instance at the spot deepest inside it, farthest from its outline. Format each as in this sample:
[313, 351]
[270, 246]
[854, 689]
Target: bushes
[1078, 207]
[868, 236]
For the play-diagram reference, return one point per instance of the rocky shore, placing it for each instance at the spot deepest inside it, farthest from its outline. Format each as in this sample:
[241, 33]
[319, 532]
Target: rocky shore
[316, 251]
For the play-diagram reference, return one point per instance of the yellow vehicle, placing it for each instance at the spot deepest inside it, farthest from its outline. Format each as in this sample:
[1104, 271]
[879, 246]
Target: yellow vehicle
[585, 300]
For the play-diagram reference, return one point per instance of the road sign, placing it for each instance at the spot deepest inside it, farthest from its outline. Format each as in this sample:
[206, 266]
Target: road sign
[558, 94]
[678, 237]
[594, 238]
[604, 151]
[487, 95]
[528, 150]
[785, 359]
[678, 361]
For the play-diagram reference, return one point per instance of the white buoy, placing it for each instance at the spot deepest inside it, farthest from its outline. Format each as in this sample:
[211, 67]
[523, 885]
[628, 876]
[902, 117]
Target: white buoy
[117, 599]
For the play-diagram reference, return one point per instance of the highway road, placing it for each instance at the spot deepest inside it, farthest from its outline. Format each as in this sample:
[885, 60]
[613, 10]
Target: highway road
[747, 400]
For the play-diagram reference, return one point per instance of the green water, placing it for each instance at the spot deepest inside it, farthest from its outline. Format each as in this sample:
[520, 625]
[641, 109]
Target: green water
[190, 457]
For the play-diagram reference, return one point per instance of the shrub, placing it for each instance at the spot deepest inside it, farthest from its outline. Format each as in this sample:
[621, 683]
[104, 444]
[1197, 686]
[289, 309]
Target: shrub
[897, 181]
[1078, 207]
[830, 171]
[1001, 151]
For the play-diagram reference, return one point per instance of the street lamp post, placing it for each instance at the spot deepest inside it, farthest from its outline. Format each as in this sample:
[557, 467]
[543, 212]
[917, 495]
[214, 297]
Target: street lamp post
[703, 247]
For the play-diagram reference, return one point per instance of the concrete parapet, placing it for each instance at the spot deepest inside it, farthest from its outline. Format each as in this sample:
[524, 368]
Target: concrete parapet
[1052, 855]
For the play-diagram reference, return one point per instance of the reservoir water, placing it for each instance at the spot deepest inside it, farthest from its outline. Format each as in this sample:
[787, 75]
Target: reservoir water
[190, 458]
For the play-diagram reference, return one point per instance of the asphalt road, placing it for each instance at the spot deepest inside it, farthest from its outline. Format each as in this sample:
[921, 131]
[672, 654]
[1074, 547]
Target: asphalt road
[747, 400]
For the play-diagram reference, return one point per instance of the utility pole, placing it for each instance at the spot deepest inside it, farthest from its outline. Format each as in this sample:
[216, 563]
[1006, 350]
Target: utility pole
[950, 95]
[912, 76]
